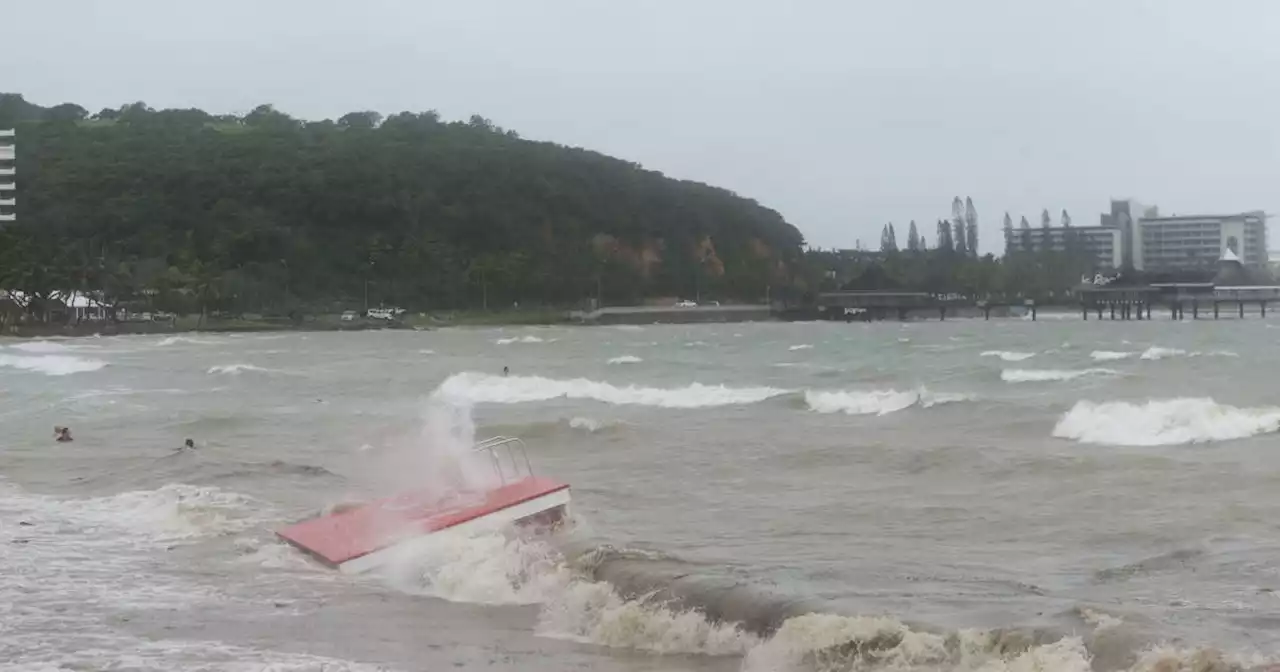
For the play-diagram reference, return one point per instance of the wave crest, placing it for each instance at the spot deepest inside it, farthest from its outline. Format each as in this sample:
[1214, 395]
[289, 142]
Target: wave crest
[1164, 422]
[51, 365]
[485, 388]
[1008, 356]
[1109, 355]
[876, 402]
[235, 369]
[1051, 375]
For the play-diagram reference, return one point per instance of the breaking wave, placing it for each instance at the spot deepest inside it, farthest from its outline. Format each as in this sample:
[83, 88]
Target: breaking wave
[40, 347]
[800, 347]
[175, 340]
[51, 365]
[486, 388]
[235, 369]
[1164, 422]
[1110, 355]
[626, 359]
[876, 402]
[1051, 375]
[1008, 356]
[590, 425]
[1156, 352]
[521, 339]
[497, 569]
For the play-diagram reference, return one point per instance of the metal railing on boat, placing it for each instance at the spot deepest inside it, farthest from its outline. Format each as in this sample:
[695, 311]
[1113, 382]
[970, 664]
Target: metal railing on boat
[511, 445]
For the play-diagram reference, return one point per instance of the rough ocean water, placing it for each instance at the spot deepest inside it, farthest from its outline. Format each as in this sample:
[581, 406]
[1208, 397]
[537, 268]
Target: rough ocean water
[965, 495]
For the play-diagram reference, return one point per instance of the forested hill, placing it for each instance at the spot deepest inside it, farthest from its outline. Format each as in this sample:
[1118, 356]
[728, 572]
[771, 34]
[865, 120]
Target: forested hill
[265, 212]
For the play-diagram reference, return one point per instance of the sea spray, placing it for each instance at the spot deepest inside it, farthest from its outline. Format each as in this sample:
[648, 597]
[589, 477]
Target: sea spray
[435, 458]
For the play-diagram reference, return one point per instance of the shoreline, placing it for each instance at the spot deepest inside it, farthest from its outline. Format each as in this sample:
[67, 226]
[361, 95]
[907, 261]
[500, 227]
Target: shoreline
[93, 329]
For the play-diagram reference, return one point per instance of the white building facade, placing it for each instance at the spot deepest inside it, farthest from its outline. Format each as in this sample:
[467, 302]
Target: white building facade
[8, 176]
[1103, 243]
[1197, 242]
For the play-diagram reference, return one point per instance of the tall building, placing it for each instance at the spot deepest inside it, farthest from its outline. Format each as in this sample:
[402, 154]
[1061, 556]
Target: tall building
[8, 173]
[1197, 242]
[1103, 243]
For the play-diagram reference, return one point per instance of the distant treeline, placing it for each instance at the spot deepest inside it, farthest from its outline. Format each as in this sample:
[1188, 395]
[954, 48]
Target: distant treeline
[191, 211]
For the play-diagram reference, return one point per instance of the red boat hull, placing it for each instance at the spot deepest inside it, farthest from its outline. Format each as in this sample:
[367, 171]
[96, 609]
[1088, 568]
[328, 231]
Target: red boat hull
[353, 540]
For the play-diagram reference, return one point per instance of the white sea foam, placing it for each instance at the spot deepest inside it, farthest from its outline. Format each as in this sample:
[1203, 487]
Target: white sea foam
[1164, 422]
[1051, 375]
[586, 424]
[1110, 355]
[1008, 356]
[176, 340]
[875, 402]
[485, 388]
[592, 612]
[1157, 352]
[235, 369]
[831, 642]
[51, 365]
[626, 359]
[522, 339]
[493, 568]
[41, 347]
[804, 346]
[77, 565]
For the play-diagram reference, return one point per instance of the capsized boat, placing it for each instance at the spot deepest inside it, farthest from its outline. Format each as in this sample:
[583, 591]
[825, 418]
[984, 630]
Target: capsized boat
[362, 538]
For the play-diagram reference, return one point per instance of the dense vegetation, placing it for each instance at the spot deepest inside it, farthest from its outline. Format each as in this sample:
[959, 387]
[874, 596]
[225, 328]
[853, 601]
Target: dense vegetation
[188, 211]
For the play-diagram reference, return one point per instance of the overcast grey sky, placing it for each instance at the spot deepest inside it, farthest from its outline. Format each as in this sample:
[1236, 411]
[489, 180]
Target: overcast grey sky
[841, 115]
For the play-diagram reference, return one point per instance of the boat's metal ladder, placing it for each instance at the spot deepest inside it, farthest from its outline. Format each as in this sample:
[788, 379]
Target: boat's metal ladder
[511, 446]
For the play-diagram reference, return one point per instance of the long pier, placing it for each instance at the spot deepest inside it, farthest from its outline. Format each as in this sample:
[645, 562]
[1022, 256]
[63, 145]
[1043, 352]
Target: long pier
[1135, 303]
[868, 305]
[1117, 303]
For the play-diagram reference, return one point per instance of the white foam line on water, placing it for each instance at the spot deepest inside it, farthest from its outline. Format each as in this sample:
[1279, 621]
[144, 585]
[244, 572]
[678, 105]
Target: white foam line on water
[486, 388]
[1157, 353]
[876, 402]
[1110, 355]
[73, 565]
[1008, 356]
[1052, 375]
[51, 365]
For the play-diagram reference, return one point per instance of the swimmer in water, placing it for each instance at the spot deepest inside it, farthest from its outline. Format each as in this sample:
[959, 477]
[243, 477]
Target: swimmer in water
[189, 445]
[505, 371]
[62, 434]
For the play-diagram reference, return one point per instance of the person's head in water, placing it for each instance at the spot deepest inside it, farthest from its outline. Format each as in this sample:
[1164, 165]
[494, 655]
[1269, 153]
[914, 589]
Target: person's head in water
[189, 444]
[62, 433]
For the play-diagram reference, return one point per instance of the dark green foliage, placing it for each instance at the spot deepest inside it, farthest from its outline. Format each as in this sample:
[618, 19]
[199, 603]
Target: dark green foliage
[268, 213]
